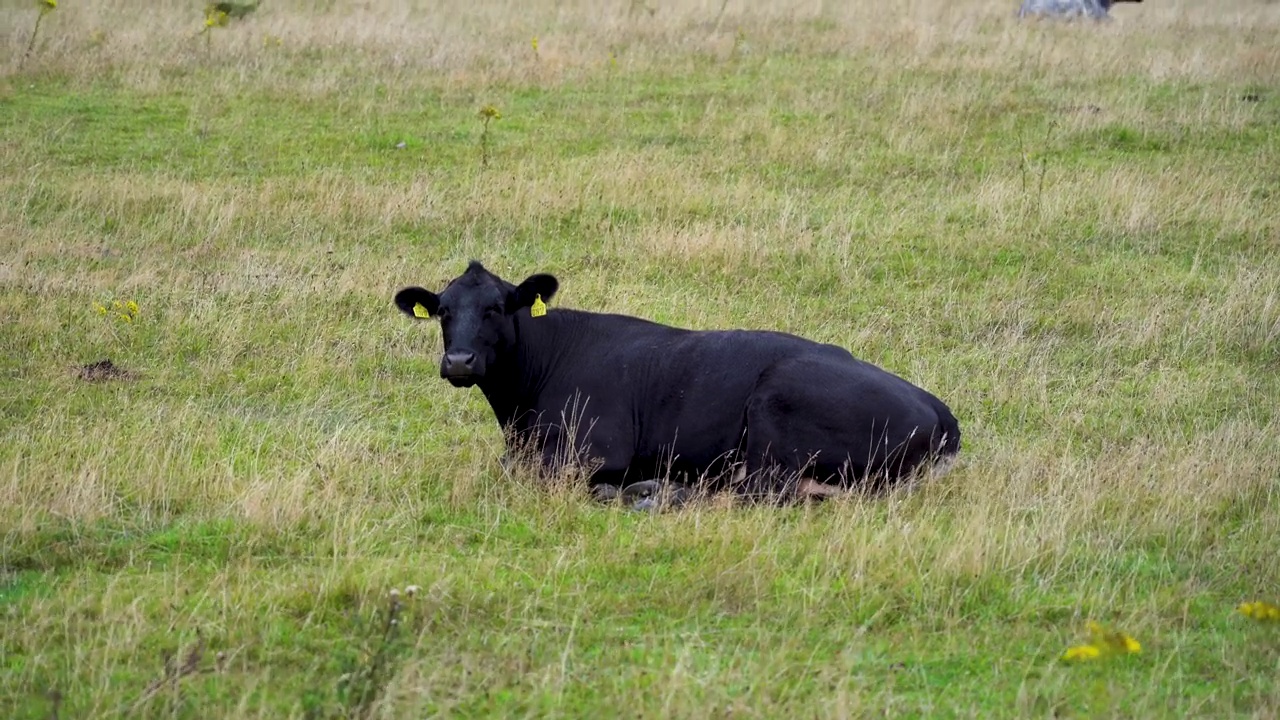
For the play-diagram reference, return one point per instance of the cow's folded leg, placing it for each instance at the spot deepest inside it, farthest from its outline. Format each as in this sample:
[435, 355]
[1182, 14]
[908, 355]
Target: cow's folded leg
[677, 495]
[640, 490]
[654, 495]
[605, 493]
[809, 488]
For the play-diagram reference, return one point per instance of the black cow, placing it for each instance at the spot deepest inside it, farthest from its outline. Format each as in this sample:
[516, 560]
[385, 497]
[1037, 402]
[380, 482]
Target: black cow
[756, 411]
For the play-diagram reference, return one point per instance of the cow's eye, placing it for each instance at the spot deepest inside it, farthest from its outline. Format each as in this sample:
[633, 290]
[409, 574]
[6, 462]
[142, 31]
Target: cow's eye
[442, 313]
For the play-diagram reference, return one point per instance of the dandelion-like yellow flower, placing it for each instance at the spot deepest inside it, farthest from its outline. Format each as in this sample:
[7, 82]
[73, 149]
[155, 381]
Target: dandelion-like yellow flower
[100, 308]
[489, 112]
[1114, 641]
[124, 317]
[132, 307]
[534, 43]
[1082, 652]
[1104, 643]
[47, 5]
[1261, 611]
[215, 18]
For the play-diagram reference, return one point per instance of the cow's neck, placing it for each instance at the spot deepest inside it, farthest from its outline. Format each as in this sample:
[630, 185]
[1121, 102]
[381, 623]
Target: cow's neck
[502, 392]
[514, 383]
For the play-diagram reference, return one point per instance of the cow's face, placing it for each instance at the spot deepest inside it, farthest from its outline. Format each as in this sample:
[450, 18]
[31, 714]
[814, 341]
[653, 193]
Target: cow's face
[477, 318]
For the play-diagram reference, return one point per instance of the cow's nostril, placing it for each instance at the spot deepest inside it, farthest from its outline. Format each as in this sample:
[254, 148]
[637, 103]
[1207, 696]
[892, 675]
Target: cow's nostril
[466, 359]
[458, 363]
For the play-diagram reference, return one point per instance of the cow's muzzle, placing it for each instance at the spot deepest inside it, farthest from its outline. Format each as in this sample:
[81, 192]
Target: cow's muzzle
[459, 368]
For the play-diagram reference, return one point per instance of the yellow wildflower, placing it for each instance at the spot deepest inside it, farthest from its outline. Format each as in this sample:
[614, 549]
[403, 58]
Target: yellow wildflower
[1129, 645]
[489, 112]
[1115, 641]
[534, 43]
[132, 307]
[102, 309]
[1104, 643]
[215, 18]
[1082, 652]
[47, 5]
[1261, 611]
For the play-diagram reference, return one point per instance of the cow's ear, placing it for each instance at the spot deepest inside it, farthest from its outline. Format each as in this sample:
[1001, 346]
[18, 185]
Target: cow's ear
[533, 287]
[418, 303]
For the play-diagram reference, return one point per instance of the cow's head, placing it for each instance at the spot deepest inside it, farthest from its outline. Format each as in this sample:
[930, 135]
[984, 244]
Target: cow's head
[477, 312]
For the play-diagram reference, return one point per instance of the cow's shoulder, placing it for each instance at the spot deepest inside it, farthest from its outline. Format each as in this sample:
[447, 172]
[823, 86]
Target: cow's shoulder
[610, 330]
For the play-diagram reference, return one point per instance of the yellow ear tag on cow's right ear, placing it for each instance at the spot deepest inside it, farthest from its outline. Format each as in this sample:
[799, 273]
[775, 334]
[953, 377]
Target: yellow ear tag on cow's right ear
[420, 311]
[538, 308]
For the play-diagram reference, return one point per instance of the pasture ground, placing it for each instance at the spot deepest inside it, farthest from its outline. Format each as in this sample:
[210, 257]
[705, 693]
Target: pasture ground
[1067, 231]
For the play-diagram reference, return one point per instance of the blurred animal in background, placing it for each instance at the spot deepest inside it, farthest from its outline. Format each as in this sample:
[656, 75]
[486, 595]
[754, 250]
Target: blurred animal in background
[1097, 9]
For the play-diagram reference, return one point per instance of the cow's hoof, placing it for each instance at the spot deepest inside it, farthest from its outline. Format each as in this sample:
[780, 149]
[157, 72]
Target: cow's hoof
[641, 490]
[653, 496]
[679, 495]
[605, 493]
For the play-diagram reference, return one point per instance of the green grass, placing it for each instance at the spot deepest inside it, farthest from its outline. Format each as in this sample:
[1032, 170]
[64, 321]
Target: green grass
[1081, 259]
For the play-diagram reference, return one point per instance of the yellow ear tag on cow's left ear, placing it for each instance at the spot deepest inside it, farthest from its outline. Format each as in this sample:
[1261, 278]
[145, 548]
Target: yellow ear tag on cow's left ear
[538, 308]
[420, 311]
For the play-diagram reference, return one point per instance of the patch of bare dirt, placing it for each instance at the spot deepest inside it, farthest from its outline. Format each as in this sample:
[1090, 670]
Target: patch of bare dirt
[104, 370]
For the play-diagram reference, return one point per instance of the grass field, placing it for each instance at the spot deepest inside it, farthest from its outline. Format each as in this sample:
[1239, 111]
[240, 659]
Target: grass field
[1069, 232]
